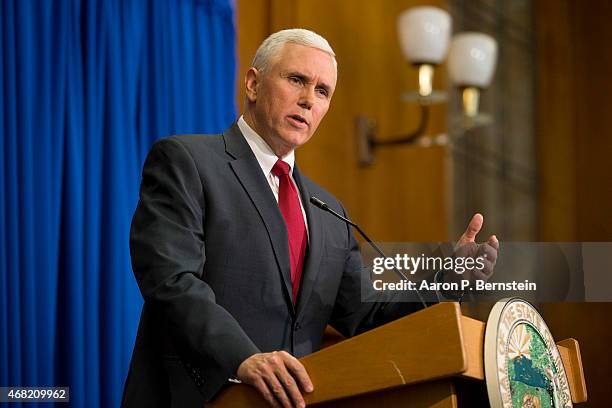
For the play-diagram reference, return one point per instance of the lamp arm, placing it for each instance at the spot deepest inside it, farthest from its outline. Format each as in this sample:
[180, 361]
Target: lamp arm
[410, 137]
[366, 139]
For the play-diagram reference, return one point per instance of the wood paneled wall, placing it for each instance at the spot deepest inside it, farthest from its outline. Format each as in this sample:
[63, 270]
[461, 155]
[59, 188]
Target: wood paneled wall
[574, 132]
[403, 196]
[575, 151]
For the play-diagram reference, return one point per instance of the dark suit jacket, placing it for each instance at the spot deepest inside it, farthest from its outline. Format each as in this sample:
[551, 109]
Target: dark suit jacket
[210, 254]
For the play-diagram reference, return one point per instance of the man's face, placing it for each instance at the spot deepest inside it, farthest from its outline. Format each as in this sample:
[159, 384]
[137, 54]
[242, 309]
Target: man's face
[289, 99]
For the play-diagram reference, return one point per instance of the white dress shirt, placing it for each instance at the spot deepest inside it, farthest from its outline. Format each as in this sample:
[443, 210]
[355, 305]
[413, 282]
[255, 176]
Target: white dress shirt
[266, 159]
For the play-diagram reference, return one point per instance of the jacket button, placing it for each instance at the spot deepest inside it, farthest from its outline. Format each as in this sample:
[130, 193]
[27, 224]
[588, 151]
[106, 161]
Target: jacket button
[297, 326]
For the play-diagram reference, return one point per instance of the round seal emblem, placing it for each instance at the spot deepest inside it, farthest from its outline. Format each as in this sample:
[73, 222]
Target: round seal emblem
[523, 367]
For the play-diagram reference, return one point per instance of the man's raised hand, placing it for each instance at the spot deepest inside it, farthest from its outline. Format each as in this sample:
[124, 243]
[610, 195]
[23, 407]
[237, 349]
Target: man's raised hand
[468, 247]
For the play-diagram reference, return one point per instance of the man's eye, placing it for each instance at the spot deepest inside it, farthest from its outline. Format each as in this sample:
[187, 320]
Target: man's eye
[322, 91]
[295, 80]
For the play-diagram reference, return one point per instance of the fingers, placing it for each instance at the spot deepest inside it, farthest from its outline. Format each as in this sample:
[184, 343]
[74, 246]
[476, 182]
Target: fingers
[472, 229]
[265, 392]
[288, 372]
[274, 375]
[488, 251]
[467, 247]
[278, 390]
[493, 242]
[298, 371]
[292, 389]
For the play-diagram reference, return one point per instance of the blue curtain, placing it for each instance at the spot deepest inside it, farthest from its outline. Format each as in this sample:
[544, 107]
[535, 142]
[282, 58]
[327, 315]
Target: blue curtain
[86, 87]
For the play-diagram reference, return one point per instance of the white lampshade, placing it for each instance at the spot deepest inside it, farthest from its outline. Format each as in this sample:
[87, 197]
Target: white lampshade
[471, 59]
[424, 34]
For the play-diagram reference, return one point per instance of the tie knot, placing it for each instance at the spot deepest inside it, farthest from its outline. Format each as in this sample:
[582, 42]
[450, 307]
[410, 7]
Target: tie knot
[280, 168]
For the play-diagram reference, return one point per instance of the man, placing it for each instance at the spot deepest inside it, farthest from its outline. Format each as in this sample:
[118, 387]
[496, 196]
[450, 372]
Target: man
[240, 275]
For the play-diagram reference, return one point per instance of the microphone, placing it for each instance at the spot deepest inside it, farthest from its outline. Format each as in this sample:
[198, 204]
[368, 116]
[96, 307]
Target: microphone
[323, 206]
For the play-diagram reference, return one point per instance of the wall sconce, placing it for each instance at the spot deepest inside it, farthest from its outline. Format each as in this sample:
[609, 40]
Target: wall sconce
[424, 35]
[471, 63]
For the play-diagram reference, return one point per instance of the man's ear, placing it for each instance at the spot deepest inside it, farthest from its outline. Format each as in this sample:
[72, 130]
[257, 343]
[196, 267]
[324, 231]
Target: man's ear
[251, 81]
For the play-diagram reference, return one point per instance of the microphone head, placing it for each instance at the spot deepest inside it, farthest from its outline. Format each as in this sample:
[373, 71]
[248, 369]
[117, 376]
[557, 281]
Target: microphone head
[318, 203]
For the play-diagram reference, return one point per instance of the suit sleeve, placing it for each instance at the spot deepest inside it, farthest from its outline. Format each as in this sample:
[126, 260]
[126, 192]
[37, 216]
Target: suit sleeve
[168, 254]
[358, 307]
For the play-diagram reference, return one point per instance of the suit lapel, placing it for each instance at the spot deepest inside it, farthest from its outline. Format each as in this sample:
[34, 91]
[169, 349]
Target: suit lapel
[315, 244]
[247, 170]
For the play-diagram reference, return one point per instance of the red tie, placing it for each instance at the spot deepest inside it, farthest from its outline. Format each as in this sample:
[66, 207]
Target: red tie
[289, 204]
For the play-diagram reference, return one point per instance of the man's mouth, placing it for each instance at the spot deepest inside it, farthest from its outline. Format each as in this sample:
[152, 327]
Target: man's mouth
[298, 120]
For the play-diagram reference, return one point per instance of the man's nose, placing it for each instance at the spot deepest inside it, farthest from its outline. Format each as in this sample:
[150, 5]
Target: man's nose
[307, 97]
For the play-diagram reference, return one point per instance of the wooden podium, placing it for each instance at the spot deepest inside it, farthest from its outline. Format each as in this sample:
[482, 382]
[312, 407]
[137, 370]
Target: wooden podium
[432, 358]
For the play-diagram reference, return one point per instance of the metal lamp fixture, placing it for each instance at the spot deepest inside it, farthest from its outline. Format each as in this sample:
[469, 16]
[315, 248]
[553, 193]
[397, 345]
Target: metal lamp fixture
[424, 37]
[471, 62]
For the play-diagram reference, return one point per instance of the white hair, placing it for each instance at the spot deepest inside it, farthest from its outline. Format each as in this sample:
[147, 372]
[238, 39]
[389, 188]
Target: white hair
[275, 42]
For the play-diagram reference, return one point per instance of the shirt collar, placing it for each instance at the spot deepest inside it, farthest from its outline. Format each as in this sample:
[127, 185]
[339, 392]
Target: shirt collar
[262, 151]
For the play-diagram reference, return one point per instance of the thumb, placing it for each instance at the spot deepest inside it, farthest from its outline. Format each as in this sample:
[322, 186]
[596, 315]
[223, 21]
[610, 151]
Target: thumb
[472, 229]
